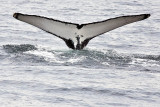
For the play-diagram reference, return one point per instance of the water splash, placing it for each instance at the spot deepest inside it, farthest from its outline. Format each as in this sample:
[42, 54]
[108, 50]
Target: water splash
[85, 58]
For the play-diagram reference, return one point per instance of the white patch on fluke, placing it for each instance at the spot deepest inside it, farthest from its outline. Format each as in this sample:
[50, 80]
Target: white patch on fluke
[77, 36]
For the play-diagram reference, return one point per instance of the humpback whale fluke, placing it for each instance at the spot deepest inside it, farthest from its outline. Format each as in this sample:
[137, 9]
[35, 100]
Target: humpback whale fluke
[77, 36]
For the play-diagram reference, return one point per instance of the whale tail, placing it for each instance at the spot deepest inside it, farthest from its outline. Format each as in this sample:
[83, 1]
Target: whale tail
[69, 32]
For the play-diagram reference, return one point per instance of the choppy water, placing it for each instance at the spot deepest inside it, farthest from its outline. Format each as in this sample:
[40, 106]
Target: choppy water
[119, 68]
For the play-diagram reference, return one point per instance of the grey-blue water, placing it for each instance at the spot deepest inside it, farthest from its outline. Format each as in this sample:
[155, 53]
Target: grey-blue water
[119, 68]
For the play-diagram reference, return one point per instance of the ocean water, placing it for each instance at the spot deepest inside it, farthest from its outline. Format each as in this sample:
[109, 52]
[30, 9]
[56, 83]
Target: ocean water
[119, 68]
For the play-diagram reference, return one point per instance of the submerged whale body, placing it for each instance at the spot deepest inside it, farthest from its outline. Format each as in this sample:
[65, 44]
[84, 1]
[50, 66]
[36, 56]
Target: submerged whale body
[77, 36]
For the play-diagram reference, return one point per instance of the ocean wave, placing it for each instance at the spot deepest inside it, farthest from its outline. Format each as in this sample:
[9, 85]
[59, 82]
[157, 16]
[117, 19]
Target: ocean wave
[84, 58]
[148, 57]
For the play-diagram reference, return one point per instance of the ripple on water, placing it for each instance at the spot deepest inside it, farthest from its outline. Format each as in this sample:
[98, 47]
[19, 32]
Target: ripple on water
[84, 58]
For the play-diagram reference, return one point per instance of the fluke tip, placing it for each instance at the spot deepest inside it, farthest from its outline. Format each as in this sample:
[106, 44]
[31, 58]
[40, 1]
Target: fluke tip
[146, 16]
[15, 15]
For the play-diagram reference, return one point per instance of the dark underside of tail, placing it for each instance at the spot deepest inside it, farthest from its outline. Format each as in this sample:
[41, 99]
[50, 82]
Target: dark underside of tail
[70, 44]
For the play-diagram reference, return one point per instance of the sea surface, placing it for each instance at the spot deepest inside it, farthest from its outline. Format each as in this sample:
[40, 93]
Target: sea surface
[120, 68]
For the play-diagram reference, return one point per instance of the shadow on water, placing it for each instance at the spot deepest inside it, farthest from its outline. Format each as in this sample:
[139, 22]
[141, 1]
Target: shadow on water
[84, 58]
[18, 48]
